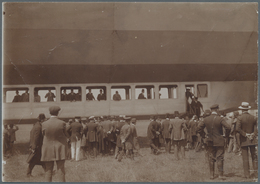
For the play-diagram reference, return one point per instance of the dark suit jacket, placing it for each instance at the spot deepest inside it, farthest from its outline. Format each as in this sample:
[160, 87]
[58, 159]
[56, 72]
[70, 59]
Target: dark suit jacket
[151, 131]
[177, 128]
[36, 139]
[246, 123]
[165, 129]
[214, 125]
[76, 131]
[91, 130]
[54, 145]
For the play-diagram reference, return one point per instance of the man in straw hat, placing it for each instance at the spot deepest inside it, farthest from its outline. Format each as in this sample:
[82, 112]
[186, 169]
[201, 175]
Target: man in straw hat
[247, 127]
[214, 125]
[54, 147]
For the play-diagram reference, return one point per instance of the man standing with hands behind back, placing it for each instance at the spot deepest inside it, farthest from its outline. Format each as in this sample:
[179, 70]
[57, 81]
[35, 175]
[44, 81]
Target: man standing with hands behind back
[54, 146]
[247, 127]
[215, 141]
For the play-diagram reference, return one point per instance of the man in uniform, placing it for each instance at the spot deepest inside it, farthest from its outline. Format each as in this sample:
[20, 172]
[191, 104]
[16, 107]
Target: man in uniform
[247, 127]
[64, 95]
[188, 95]
[177, 128]
[12, 131]
[91, 130]
[141, 95]
[101, 96]
[76, 133]
[166, 133]
[196, 106]
[214, 125]
[89, 95]
[54, 147]
[151, 135]
[50, 96]
[126, 136]
[17, 97]
[25, 96]
[116, 96]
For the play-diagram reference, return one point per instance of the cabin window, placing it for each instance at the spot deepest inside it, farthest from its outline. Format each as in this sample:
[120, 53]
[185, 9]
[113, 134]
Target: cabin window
[144, 92]
[202, 90]
[45, 94]
[120, 93]
[13, 95]
[168, 91]
[98, 93]
[70, 94]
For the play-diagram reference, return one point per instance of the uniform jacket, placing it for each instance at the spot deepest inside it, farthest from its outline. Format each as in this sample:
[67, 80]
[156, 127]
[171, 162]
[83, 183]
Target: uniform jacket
[151, 131]
[76, 131]
[214, 125]
[193, 127]
[91, 130]
[247, 123]
[165, 129]
[12, 133]
[177, 126]
[127, 135]
[54, 145]
[118, 130]
[36, 139]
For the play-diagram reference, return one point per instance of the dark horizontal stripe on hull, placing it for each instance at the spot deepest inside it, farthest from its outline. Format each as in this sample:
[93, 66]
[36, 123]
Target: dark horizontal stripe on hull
[61, 74]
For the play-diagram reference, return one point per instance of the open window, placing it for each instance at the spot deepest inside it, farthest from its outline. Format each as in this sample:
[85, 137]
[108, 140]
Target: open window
[44, 94]
[13, 95]
[168, 91]
[144, 92]
[202, 90]
[70, 94]
[120, 93]
[96, 93]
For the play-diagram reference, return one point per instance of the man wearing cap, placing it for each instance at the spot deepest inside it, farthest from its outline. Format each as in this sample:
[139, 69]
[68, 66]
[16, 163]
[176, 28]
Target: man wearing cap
[177, 128]
[166, 133]
[50, 96]
[247, 127]
[91, 130]
[151, 135]
[54, 147]
[188, 95]
[76, 134]
[90, 96]
[126, 137]
[133, 129]
[214, 125]
[107, 129]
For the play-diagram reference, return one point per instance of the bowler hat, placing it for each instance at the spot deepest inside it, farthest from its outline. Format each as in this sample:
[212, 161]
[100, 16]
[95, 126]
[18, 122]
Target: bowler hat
[215, 106]
[54, 110]
[244, 105]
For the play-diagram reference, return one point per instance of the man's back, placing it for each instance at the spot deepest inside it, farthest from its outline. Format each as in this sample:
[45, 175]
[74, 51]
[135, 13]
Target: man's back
[177, 125]
[165, 129]
[76, 130]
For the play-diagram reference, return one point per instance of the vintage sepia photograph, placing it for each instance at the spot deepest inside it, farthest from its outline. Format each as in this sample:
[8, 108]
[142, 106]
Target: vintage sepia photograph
[130, 92]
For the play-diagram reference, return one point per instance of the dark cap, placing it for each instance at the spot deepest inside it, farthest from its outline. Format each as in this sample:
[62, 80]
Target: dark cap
[54, 110]
[41, 117]
[133, 119]
[77, 117]
[215, 106]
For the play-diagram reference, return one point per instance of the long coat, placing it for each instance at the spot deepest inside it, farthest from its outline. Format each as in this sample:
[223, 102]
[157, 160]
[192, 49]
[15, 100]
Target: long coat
[127, 135]
[214, 125]
[165, 129]
[247, 123]
[36, 139]
[54, 141]
[118, 130]
[91, 130]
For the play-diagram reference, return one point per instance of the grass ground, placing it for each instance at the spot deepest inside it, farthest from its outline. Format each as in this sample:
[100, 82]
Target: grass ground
[145, 168]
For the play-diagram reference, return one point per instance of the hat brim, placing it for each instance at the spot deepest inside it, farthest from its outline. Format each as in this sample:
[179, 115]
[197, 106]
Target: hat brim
[240, 107]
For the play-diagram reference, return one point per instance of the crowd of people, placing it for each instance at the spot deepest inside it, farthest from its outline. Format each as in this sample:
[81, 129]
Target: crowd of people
[53, 140]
